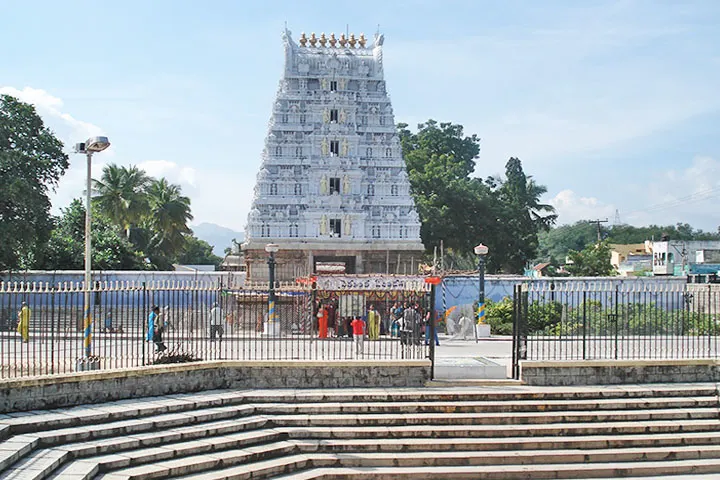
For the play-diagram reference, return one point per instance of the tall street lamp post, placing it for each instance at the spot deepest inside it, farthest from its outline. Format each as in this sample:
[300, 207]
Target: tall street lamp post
[271, 248]
[92, 145]
[481, 250]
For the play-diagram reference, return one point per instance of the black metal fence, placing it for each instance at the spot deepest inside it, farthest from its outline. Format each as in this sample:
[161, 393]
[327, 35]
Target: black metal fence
[199, 321]
[577, 320]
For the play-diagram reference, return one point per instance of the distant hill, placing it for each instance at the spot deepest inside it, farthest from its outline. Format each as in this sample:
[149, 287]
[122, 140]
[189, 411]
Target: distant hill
[217, 236]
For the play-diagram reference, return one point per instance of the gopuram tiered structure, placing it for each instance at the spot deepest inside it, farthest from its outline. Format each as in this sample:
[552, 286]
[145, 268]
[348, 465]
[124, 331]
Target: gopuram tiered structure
[333, 190]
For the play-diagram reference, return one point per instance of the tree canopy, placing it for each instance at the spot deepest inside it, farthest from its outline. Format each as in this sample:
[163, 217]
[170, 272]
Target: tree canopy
[31, 164]
[65, 249]
[153, 213]
[462, 211]
[592, 261]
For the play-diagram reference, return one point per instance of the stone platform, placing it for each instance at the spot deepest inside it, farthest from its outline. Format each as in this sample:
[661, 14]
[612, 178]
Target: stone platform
[468, 368]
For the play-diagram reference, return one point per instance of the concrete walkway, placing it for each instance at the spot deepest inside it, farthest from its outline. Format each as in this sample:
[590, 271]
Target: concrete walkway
[488, 358]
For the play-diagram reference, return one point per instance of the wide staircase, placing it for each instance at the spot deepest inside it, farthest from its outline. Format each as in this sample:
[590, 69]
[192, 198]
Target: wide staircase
[509, 432]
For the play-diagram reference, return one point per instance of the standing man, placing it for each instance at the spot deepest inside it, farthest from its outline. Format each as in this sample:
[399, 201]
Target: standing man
[358, 330]
[428, 321]
[411, 324]
[23, 326]
[216, 322]
[373, 320]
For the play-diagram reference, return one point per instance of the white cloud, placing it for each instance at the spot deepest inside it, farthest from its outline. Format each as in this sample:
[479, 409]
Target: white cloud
[68, 128]
[572, 207]
[174, 173]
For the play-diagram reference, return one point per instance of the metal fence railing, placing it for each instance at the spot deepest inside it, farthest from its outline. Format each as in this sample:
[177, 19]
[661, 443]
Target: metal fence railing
[610, 320]
[42, 325]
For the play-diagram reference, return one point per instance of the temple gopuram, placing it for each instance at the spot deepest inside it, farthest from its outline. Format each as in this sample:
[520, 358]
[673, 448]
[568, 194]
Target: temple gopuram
[332, 191]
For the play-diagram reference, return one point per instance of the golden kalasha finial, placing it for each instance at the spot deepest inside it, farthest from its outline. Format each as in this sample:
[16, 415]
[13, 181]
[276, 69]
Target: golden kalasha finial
[333, 40]
[343, 40]
[303, 39]
[323, 40]
[352, 40]
[362, 40]
[313, 40]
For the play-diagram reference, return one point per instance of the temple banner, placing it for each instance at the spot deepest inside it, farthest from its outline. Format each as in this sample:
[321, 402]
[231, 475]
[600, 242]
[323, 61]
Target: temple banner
[373, 283]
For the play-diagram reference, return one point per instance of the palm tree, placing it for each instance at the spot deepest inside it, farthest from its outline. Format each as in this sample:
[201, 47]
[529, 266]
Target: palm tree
[120, 195]
[168, 214]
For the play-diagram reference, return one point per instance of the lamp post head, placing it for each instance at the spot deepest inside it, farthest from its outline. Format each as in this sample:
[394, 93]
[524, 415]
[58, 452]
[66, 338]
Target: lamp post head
[272, 247]
[96, 144]
[481, 250]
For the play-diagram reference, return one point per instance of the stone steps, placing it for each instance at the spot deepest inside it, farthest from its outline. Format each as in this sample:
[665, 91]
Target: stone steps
[331, 467]
[233, 434]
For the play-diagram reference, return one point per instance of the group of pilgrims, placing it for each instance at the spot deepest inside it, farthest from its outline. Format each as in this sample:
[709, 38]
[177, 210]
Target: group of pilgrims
[404, 320]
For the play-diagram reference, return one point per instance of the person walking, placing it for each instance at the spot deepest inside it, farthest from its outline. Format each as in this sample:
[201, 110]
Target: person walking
[373, 323]
[23, 326]
[216, 323]
[358, 329]
[155, 330]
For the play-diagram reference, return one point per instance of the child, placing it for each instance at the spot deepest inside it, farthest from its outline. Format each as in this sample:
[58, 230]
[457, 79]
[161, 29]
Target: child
[358, 329]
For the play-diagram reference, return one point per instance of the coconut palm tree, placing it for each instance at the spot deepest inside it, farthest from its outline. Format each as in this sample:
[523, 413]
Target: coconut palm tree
[167, 216]
[120, 195]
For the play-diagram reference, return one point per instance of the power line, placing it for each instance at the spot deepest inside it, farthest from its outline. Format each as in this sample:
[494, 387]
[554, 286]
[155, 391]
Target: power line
[693, 197]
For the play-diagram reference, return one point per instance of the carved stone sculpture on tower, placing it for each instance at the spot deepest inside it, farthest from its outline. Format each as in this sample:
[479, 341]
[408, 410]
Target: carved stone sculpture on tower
[324, 147]
[344, 148]
[347, 224]
[324, 185]
[323, 225]
[326, 116]
[346, 184]
[343, 116]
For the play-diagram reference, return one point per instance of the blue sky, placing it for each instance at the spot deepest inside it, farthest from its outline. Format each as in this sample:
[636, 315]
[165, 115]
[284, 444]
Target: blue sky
[613, 105]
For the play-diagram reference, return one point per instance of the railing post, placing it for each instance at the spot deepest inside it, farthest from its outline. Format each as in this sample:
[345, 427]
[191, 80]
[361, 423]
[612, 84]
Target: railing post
[430, 335]
[515, 374]
[143, 321]
[617, 318]
[584, 325]
[52, 330]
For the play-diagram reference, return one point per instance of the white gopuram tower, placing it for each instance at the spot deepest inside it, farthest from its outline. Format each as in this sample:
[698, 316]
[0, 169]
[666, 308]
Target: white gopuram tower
[333, 190]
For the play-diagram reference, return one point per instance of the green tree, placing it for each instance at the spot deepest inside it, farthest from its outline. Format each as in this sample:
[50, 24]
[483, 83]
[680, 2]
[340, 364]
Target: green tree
[120, 195]
[592, 261]
[167, 218]
[31, 164]
[198, 252]
[554, 244]
[453, 207]
[65, 249]
[524, 217]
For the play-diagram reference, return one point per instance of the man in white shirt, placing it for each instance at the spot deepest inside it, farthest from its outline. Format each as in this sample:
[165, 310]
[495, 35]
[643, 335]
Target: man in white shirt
[216, 322]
